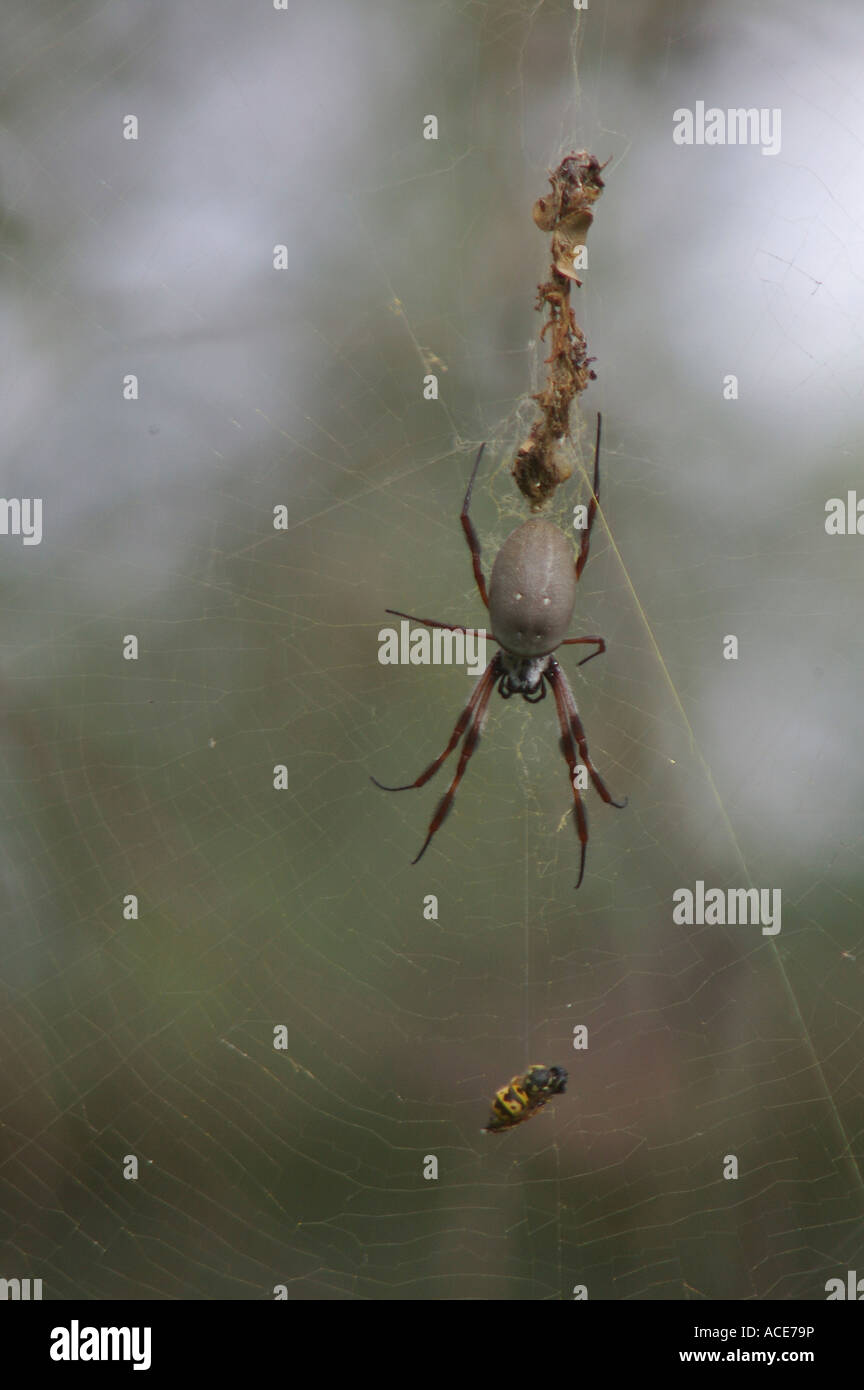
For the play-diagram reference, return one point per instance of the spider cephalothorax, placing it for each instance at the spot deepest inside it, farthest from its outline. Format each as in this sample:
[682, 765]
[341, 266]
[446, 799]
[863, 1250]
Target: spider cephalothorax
[532, 592]
[522, 675]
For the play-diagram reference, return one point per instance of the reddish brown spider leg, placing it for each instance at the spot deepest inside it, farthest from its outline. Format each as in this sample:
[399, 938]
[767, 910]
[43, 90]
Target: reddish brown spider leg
[585, 540]
[599, 642]
[431, 622]
[470, 533]
[486, 684]
[451, 627]
[568, 748]
[459, 729]
[566, 701]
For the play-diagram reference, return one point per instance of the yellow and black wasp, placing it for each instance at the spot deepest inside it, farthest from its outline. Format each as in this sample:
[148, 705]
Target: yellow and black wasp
[524, 1096]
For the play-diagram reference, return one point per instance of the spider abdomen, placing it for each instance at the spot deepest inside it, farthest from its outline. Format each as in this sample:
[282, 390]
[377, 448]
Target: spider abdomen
[533, 589]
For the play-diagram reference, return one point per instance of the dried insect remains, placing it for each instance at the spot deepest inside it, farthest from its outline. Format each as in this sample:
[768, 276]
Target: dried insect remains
[567, 212]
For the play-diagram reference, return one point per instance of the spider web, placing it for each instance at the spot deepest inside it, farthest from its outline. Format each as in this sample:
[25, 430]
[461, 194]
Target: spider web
[154, 1037]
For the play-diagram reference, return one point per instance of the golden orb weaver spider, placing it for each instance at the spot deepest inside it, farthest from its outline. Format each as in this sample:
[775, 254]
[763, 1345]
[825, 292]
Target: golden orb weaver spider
[531, 596]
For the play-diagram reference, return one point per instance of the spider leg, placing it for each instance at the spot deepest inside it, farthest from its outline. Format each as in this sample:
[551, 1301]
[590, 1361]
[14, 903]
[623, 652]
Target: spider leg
[432, 622]
[567, 703]
[573, 737]
[486, 684]
[470, 533]
[489, 676]
[585, 539]
[598, 642]
[568, 748]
